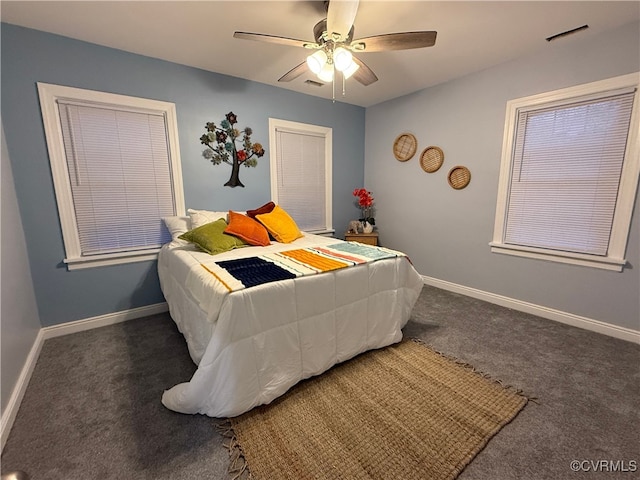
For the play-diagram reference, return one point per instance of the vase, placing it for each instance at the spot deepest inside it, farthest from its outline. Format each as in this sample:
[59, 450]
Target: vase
[367, 227]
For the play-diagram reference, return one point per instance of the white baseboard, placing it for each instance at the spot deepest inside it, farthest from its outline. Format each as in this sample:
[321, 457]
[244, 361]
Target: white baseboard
[103, 320]
[9, 414]
[609, 329]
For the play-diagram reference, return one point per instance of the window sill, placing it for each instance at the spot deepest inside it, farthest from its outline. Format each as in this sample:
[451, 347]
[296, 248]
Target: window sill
[79, 263]
[605, 263]
[324, 233]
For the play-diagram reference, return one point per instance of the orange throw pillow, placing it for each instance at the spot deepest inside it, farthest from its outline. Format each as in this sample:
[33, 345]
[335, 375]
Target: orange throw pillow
[247, 229]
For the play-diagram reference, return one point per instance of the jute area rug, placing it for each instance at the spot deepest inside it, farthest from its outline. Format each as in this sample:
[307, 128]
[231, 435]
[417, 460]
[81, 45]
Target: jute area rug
[401, 412]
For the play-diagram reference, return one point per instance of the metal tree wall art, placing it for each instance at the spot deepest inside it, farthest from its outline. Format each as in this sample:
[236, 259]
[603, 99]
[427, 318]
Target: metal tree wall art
[221, 147]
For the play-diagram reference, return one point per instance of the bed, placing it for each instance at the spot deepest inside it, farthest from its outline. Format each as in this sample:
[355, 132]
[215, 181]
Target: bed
[252, 344]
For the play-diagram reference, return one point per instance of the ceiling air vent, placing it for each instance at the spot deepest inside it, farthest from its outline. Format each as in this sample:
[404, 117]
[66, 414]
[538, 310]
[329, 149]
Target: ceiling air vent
[314, 83]
[568, 32]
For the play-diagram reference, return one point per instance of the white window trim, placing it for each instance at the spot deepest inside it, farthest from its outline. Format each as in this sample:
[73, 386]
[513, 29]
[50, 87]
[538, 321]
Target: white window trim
[304, 128]
[626, 193]
[49, 96]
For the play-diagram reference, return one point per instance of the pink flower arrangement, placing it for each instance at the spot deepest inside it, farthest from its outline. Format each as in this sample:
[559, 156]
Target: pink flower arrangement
[365, 202]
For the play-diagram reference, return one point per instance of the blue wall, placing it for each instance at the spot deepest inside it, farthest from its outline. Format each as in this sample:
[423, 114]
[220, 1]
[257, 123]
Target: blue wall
[30, 56]
[451, 229]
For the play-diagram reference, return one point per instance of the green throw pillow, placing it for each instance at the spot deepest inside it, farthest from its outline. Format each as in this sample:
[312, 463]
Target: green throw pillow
[212, 239]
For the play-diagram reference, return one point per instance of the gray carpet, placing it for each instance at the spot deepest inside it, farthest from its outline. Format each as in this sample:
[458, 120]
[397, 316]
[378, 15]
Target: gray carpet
[92, 409]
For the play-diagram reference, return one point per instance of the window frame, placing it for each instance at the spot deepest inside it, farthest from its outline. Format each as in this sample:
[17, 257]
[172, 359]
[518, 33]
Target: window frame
[304, 128]
[614, 259]
[49, 95]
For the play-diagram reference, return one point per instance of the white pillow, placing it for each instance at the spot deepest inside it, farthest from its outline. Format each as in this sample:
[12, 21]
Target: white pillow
[177, 225]
[202, 217]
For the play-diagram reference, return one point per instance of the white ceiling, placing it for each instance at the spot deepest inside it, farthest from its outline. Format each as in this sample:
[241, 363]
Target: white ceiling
[471, 35]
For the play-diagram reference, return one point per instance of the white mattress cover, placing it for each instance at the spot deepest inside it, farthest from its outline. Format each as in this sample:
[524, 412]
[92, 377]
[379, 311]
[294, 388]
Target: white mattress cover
[252, 345]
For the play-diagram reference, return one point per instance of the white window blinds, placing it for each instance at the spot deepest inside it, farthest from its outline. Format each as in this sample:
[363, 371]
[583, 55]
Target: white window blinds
[567, 163]
[301, 178]
[120, 176]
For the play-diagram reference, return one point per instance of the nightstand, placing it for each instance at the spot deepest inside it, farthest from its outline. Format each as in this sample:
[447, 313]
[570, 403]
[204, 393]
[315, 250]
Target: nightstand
[368, 238]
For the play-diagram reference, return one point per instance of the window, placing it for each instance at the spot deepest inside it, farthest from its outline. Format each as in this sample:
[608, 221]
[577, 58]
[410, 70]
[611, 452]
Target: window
[300, 157]
[569, 174]
[116, 173]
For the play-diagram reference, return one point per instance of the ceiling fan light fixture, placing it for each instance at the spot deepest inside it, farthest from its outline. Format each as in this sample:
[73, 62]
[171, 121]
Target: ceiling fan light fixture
[317, 61]
[350, 70]
[334, 46]
[342, 58]
[326, 74]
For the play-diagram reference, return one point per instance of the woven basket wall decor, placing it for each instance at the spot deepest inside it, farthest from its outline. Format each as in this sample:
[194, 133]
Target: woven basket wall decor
[459, 177]
[431, 159]
[404, 147]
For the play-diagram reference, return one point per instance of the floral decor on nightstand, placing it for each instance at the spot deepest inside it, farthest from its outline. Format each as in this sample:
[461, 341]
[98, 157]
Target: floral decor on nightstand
[221, 147]
[365, 201]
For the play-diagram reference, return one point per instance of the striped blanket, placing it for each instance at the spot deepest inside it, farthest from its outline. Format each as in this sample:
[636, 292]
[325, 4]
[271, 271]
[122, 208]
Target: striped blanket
[248, 272]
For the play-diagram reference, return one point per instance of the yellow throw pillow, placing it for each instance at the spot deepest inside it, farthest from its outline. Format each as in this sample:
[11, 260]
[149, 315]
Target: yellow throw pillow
[280, 225]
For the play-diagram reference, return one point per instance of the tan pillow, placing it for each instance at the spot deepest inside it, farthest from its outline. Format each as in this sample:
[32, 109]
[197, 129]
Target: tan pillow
[202, 217]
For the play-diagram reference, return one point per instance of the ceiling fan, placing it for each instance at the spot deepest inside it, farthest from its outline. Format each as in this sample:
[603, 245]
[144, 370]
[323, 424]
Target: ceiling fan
[333, 44]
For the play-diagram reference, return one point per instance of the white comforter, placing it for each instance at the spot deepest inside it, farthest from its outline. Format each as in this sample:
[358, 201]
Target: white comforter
[252, 345]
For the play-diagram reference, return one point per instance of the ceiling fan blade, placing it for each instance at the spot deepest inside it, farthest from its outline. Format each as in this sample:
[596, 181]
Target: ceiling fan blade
[395, 41]
[317, 7]
[364, 74]
[340, 16]
[260, 37]
[294, 73]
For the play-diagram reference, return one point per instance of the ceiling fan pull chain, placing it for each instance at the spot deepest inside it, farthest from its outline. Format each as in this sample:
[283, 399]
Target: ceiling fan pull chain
[333, 85]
